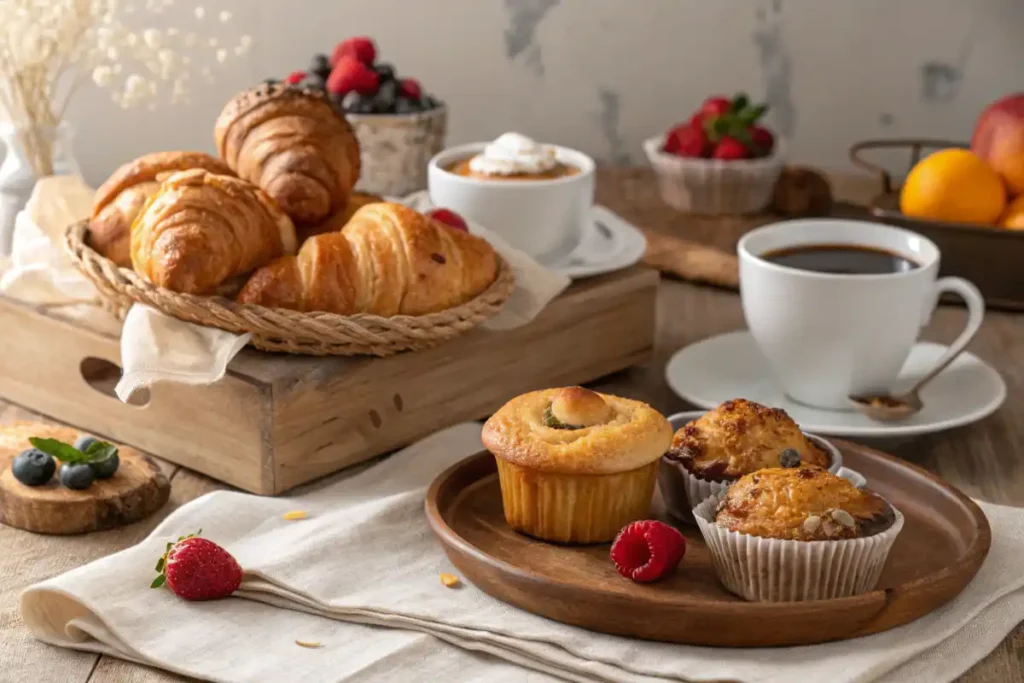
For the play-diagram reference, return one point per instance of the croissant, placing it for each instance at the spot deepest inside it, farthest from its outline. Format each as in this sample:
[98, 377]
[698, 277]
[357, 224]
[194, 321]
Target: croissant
[388, 260]
[336, 221]
[200, 229]
[126, 191]
[293, 144]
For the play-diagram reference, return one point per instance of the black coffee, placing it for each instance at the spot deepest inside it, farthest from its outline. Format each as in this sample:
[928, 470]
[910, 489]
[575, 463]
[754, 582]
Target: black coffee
[844, 259]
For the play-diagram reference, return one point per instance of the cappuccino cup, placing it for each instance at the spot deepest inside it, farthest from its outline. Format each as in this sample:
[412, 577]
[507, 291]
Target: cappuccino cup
[835, 306]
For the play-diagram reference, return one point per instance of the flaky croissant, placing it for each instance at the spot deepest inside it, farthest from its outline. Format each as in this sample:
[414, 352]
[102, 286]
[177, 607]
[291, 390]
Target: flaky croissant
[200, 229]
[126, 191]
[336, 221]
[293, 144]
[388, 260]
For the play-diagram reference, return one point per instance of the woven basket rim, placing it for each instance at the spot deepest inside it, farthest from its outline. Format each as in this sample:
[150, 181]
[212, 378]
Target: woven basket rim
[126, 283]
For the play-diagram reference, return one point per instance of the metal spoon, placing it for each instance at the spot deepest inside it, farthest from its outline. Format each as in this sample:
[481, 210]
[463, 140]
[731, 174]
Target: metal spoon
[889, 408]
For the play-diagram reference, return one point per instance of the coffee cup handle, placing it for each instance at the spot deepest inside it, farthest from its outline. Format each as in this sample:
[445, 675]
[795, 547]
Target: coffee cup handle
[853, 476]
[975, 315]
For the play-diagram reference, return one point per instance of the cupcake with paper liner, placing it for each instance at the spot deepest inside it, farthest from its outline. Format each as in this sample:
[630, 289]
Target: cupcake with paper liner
[720, 161]
[736, 438]
[576, 466]
[788, 534]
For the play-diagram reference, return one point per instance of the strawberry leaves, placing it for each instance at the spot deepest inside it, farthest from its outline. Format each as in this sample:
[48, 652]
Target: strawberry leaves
[98, 451]
[161, 564]
[736, 122]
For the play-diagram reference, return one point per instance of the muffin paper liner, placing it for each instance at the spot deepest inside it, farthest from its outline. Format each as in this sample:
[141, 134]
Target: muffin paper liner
[713, 186]
[774, 570]
[682, 490]
[574, 508]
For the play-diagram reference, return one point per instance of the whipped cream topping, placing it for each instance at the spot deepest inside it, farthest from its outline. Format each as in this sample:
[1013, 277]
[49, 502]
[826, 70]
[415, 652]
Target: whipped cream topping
[513, 154]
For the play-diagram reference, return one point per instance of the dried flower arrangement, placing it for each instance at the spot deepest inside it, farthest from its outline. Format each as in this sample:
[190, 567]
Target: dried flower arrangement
[49, 48]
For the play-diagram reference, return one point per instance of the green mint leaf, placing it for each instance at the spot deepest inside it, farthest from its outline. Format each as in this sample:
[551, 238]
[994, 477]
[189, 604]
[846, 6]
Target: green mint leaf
[64, 452]
[739, 103]
[99, 451]
[158, 581]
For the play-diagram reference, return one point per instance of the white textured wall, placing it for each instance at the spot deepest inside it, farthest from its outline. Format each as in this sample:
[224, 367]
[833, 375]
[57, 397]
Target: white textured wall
[601, 75]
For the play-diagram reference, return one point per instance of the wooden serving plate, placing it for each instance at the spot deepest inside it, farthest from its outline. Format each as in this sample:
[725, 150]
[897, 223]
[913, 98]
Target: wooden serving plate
[943, 543]
[138, 489]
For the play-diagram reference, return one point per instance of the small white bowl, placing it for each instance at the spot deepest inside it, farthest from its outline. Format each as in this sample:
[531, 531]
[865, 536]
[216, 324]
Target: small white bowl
[682, 491]
[715, 186]
[544, 218]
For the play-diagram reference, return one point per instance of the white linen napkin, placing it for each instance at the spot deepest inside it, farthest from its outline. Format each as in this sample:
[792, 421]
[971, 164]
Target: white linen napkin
[366, 558]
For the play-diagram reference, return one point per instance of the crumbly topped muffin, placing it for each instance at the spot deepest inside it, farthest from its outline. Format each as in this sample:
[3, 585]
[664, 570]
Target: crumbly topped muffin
[739, 437]
[803, 504]
[577, 431]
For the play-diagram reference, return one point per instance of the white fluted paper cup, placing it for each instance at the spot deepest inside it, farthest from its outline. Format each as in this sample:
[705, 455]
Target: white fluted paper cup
[774, 570]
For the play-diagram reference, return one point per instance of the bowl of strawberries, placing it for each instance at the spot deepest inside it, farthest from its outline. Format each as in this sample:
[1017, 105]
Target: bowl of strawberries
[723, 160]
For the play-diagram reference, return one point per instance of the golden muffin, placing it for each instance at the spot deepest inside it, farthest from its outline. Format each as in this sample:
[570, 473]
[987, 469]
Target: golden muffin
[740, 437]
[576, 466]
[802, 504]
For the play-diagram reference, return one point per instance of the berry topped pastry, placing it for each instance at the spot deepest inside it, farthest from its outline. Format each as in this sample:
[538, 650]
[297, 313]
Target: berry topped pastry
[359, 84]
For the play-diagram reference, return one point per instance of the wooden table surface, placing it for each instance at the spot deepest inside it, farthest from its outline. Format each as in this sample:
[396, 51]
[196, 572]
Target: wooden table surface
[986, 460]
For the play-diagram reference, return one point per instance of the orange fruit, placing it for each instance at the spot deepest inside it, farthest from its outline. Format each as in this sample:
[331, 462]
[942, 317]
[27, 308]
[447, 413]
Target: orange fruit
[1013, 217]
[953, 185]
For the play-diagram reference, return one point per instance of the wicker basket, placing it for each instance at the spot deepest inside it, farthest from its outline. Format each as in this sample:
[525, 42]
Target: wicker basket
[278, 329]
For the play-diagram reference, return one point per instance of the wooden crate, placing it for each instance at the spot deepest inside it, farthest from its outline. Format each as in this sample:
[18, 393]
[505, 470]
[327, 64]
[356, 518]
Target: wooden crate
[277, 421]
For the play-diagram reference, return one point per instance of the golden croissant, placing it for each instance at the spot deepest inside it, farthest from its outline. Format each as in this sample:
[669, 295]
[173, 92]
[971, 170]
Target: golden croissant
[292, 144]
[200, 229]
[388, 260]
[120, 199]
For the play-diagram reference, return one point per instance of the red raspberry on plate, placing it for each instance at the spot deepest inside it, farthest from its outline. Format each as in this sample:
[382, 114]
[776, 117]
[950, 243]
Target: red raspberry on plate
[196, 568]
[360, 47]
[410, 87]
[294, 77]
[449, 218]
[730, 149]
[687, 141]
[647, 550]
[762, 140]
[350, 74]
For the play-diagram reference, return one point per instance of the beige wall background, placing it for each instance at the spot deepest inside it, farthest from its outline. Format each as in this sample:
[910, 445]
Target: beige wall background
[601, 75]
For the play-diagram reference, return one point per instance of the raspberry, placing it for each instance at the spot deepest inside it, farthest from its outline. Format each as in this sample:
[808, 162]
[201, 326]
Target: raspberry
[647, 550]
[411, 88]
[350, 74]
[294, 77]
[449, 218]
[360, 47]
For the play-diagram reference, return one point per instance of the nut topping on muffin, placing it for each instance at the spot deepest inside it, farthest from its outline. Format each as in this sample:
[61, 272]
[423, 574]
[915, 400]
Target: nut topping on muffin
[803, 504]
[576, 408]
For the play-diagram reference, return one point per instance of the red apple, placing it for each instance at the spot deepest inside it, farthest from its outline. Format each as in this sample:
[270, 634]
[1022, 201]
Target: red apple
[999, 139]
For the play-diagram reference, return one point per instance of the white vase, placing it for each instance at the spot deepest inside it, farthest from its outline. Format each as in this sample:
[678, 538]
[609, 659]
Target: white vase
[18, 174]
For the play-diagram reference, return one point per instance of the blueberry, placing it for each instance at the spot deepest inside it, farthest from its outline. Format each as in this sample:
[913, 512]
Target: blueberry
[84, 442]
[789, 458]
[77, 475]
[406, 105]
[312, 82]
[386, 98]
[33, 467]
[105, 469]
[358, 104]
[385, 71]
[320, 65]
[429, 102]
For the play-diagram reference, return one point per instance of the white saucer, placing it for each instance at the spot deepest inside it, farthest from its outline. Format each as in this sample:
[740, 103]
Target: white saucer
[731, 366]
[609, 243]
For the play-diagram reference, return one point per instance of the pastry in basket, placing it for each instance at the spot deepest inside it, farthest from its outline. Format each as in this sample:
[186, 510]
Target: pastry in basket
[576, 466]
[736, 438]
[200, 229]
[293, 144]
[120, 199]
[799, 533]
[388, 260]
[336, 221]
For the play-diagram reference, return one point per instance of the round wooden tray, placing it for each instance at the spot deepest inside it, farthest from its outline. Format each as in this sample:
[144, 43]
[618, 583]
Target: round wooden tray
[943, 543]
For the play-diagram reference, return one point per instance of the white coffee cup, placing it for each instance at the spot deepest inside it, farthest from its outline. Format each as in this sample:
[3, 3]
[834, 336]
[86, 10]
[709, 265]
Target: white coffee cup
[827, 336]
[544, 218]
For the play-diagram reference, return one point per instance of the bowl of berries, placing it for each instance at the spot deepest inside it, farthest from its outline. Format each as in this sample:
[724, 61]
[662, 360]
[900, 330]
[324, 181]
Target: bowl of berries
[720, 161]
[399, 126]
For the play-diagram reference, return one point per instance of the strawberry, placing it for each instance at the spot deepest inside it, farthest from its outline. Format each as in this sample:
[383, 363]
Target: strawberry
[349, 74]
[762, 140]
[714, 106]
[730, 149]
[449, 218]
[410, 87]
[196, 568]
[646, 551]
[360, 47]
[687, 141]
[294, 77]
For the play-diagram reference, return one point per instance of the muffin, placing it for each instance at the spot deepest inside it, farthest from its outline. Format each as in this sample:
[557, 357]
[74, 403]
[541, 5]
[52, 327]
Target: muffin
[575, 466]
[736, 438]
[802, 533]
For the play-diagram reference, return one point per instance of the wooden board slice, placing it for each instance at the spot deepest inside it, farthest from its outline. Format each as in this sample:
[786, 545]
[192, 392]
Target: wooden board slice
[137, 490]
